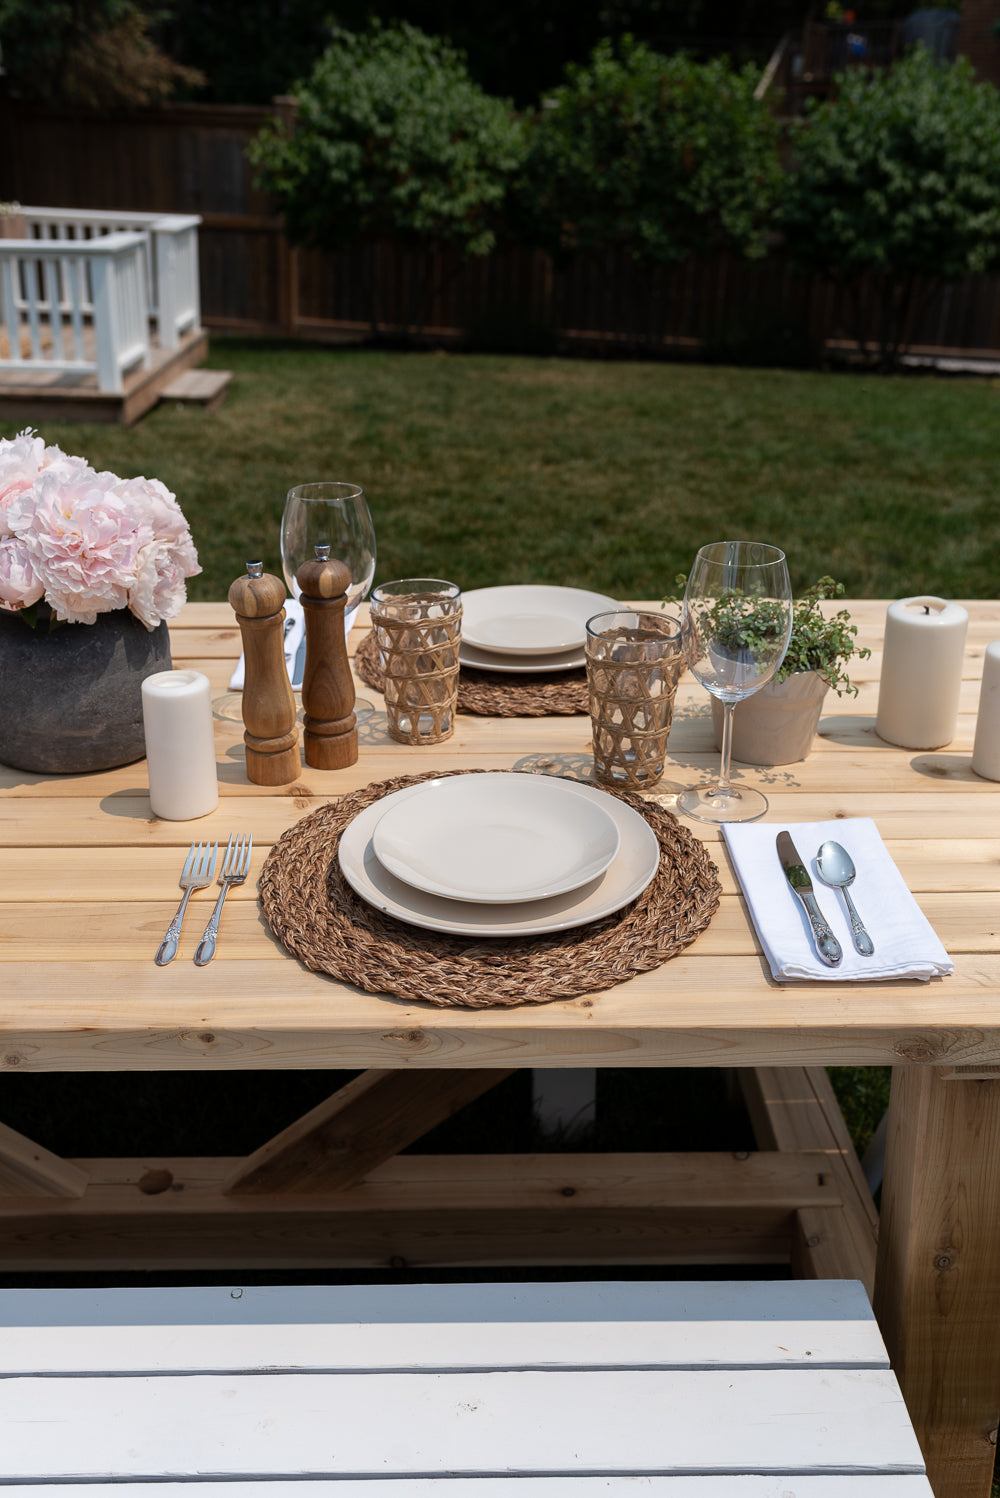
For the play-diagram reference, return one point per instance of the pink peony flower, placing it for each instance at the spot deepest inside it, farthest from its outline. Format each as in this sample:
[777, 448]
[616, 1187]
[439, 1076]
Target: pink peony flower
[22, 459]
[19, 587]
[82, 541]
[88, 542]
[159, 592]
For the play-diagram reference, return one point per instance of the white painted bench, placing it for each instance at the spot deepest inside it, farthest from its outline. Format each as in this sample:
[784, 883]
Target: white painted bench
[674, 1390]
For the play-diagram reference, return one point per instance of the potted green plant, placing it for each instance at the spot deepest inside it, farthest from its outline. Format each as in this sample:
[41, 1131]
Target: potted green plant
[777, 724]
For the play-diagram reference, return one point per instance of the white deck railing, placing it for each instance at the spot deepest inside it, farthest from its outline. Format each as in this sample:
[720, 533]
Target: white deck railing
[170, 257]
[82, 288]
[76, 305]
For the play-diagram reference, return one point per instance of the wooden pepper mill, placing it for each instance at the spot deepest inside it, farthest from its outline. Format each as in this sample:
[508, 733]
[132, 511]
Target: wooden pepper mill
[271, 737]
[329, 725]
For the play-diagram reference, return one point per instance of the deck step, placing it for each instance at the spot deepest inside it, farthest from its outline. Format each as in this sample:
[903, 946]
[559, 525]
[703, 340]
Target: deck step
[199, 387]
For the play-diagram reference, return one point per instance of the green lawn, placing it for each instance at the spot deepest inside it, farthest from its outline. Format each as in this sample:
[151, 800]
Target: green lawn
[603, 474]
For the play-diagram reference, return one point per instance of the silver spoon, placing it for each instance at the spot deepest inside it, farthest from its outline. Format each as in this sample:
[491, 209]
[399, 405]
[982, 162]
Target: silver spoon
[834, 866]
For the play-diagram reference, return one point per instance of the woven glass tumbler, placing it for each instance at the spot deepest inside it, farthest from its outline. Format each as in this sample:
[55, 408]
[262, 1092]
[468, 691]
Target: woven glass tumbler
[634, 662]
[418, 629]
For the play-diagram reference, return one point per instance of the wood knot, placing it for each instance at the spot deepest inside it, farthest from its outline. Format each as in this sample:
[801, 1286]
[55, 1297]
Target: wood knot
[154, 1182]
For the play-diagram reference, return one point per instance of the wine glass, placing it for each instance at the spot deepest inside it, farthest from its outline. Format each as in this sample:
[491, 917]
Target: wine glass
[735, 624]
[335, 515]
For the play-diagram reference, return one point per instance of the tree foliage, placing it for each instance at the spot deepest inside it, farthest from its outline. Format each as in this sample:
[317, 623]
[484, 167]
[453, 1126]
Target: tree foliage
[90, 54]
[898, 176]
[664, 155]
[393, 138]
[251, 50]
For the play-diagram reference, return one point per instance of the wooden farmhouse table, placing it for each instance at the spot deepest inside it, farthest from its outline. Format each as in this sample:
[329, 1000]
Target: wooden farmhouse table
[88, 882]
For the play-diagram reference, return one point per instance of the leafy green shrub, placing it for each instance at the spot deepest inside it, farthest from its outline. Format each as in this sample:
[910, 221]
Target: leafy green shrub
[392, 138]
[898, 177]
[663, 155]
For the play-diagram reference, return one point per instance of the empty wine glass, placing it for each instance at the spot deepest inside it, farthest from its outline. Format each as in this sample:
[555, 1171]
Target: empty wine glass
[735, 623]
[335, 515]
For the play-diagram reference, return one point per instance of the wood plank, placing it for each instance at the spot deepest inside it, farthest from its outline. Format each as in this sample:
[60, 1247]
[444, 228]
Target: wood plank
[131, 929]
[842, 1308]
[199, 387]
[777, 1421]
[741, 1486]
[796, 1108]
[365, 1122]
[706, 1011]
[427, 1210]
[583, 1324]
[937, 1293]
[27, 1169]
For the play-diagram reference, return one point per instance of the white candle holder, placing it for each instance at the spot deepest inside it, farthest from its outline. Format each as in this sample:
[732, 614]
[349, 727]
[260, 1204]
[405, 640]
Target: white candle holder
[921, 678]
[986, 750]
[180, 745]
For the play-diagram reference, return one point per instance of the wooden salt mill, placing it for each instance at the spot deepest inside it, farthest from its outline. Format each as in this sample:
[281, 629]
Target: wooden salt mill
[329, 725]
[271, 737]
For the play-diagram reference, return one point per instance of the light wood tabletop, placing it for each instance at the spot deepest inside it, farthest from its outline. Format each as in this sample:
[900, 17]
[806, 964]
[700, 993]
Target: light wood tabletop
[88, 882]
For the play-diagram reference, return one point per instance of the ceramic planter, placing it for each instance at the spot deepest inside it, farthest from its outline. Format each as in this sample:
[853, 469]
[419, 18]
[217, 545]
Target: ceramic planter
[72, 696]
[777, 725]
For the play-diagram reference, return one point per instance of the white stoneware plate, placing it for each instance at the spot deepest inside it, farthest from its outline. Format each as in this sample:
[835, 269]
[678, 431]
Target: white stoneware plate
[486, 660]
[496, 839]
[625, 878]
[529, 619]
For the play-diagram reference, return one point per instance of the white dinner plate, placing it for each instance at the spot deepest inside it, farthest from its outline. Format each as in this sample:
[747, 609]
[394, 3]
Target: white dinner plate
[625, 878]
[529, 619]
[485, 660]
[495, 838]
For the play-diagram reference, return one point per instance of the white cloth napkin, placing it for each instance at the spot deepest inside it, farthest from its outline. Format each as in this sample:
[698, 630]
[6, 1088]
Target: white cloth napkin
[906, 945]
[295, 654]
[295, 645]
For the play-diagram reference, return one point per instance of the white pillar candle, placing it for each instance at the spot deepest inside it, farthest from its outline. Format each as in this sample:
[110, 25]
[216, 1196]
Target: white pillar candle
[986, 750]
[180, 745]
[921, 672]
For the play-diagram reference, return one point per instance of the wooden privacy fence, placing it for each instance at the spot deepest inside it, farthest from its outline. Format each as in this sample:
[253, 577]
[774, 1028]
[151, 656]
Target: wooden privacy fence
[191, 159]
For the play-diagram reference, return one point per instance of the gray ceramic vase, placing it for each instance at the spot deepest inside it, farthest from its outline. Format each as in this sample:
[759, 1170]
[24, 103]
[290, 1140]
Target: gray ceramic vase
[71, 697]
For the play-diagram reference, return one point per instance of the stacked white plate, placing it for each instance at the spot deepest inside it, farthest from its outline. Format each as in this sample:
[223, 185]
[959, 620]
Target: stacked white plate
[527, 628]
[499, 854]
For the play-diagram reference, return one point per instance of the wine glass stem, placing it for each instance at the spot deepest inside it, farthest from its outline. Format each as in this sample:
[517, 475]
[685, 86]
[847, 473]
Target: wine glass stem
[727, 745]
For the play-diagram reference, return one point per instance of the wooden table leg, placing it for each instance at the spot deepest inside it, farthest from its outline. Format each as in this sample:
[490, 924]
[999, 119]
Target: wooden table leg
[937, 1286]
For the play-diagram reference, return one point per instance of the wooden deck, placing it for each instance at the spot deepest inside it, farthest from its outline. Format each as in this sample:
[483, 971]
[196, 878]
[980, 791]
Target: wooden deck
[36, 394]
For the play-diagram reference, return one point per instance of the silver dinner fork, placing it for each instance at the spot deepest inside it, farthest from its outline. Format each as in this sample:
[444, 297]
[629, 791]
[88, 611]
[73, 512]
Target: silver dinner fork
[235, 868]
[198, 871]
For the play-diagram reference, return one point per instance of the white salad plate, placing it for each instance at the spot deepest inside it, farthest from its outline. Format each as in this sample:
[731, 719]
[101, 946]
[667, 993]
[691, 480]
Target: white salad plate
[495, 838]
[529, 619]
[485, 660]
[624, 879]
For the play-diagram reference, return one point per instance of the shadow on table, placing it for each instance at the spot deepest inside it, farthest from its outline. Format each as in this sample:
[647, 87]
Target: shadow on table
[948, 767]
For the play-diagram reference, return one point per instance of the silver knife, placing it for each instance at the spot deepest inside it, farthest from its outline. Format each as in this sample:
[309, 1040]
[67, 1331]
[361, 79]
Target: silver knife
[797, 875]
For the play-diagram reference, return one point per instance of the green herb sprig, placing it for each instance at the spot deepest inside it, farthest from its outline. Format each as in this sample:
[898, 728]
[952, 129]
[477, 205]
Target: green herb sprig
[818, 643]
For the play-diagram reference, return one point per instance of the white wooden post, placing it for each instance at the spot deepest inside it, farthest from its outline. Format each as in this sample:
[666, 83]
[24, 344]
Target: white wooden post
[564, 1102]
[178, 303]
[109, 375]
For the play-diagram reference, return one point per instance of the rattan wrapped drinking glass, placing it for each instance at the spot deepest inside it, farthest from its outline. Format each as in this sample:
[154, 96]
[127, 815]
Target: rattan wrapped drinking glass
[418, 629]
[634, 662]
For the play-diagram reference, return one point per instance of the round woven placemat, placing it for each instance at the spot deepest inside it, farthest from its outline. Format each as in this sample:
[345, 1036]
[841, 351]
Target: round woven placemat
[498, 694]
[317, 917]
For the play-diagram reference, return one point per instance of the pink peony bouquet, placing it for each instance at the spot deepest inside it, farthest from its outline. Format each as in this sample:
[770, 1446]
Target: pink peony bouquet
[86, 543]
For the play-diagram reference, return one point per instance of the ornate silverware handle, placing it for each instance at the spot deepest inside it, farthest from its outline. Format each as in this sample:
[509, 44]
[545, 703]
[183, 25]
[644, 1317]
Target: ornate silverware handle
[827, 944]
[206, 947]
[862, 940]
[167, 950]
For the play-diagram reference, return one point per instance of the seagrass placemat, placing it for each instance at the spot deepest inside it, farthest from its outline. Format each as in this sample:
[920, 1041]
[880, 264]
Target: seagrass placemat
[318, 918]
[498, 694]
